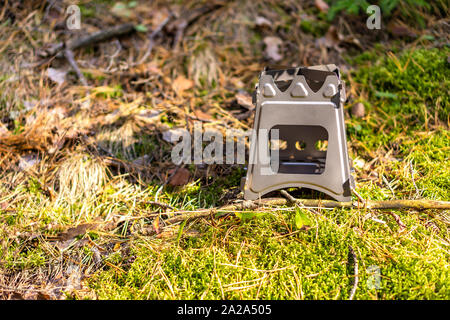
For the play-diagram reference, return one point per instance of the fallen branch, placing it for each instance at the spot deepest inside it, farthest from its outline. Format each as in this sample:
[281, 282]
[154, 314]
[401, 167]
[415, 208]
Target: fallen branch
[276, 202]
[191, 215]
[376, 204]
[90, 39]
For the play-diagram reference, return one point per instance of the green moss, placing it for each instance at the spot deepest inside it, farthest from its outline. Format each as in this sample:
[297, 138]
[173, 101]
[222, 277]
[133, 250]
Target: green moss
[408, 84]
[236, 258]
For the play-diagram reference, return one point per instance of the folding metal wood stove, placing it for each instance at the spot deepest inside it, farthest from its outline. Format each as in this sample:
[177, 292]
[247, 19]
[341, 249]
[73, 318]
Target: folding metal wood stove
[299, 128]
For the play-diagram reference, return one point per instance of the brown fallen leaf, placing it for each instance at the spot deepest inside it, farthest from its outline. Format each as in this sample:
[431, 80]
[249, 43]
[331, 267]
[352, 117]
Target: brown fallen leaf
[400, 29]
[41, 295]
[262, 22]
[71, 233]
[4, 205]
[173, 135]
[159, 16]
[16, 296]
[272, 47]
[332, 39]
[180, 178]
[57, 75]
[202, 115]
[28, 161]
[358, 110]
[3, 130]
[142, 161]
[181, 84]
[321, 5]
[245, 100]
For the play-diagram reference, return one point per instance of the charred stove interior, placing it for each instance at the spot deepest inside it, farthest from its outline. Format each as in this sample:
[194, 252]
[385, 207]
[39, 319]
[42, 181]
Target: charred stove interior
[301, 149]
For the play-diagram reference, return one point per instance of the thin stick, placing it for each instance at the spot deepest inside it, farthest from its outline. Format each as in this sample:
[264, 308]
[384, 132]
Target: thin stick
[288, 196]
[355, 271]
[308, 203]
[152, 38]
[160, 204]
[387, 204]
[68, 54]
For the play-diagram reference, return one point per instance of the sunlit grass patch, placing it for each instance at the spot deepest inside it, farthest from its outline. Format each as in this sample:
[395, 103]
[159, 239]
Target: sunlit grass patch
[268, 258]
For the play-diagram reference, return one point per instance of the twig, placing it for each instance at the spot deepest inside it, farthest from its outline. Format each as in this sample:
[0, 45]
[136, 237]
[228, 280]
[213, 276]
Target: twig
[152, 39]
[298, 204]
[160, 204]
[193, 215]
[355, 272]
[408, 204]
[388, 184]
[91, 39]
[288, 196]
[68, 54]
[307, 203]
[398, 220]
[364, 202]
[387, 204]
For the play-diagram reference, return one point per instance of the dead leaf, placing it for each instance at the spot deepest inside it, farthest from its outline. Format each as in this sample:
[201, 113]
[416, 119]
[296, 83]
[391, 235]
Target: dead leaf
[159, 16]
[153, 68]
[43, 296]
[321, 5]
[332, 39]
[236, 82]
[74, 277]
[400, 29]
[191, 232]
[181, 84]
[358, 110]
[3, 130]
[245, 100]
[4, 205]
[142, 161]
[180, 178]
[28, 161]
[148, 116]
[16, 296]
[261, 22]
[272, 47]
[57, 75]
[173, 135]
[202, 115]
[71, 233]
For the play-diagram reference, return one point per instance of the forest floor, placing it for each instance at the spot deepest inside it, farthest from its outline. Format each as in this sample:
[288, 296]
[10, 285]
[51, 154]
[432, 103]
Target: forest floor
[88, 188]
